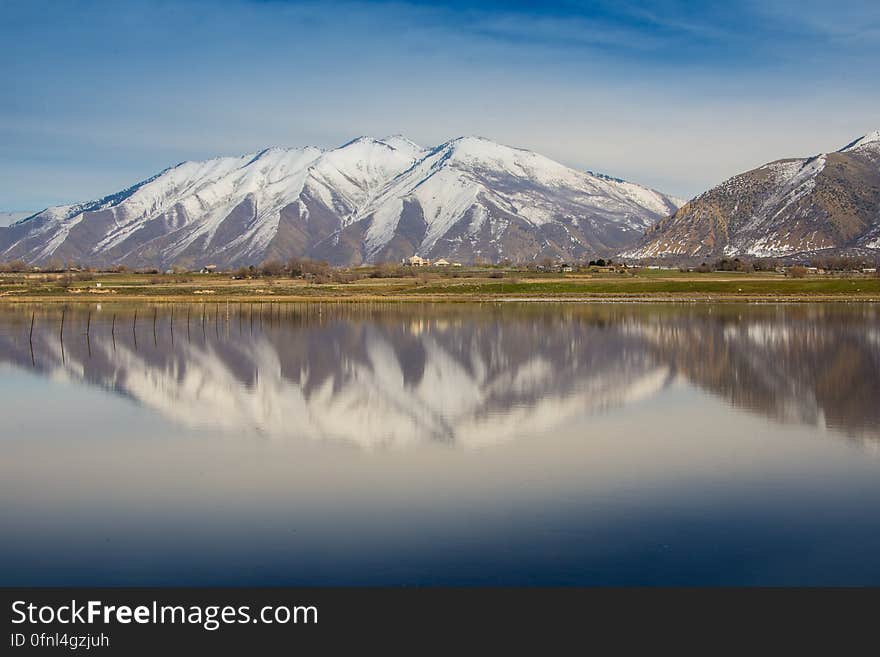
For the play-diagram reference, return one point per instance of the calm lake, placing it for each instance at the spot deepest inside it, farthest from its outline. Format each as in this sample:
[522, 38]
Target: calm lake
[503, 444]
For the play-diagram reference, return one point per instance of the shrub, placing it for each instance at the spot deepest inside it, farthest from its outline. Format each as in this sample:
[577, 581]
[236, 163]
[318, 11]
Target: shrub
[14, 266]
[271, 268]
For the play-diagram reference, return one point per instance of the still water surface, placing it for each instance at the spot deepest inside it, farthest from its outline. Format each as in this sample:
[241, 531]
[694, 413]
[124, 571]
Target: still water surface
[463, 444]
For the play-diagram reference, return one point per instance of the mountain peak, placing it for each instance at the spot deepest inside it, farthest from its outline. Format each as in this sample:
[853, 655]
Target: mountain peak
[400, 142]
[363, 139]
[481, 151]
[396, 144]
[477, 143]
[870, 138]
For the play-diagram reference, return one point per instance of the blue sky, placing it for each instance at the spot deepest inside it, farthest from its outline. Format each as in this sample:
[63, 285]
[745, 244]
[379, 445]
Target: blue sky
[674, 94]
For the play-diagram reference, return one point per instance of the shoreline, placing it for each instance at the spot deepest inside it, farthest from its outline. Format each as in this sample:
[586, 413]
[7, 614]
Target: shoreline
[437, 298]
[473, 286]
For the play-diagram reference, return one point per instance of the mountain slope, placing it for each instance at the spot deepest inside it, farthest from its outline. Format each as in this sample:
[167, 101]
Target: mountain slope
[370, 200]
[830, 201]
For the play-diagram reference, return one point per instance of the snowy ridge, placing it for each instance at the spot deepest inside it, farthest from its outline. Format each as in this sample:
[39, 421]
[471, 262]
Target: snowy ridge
[872, 139]
[8, 218]
[367, 200]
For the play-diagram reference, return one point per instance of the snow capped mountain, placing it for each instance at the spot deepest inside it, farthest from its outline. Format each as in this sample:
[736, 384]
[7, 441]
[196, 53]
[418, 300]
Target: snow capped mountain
[472, 198]
[826, 202]
[370, 200]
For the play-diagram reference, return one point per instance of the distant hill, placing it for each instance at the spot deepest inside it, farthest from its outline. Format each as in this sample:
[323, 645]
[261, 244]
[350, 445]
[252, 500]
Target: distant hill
[825, 203]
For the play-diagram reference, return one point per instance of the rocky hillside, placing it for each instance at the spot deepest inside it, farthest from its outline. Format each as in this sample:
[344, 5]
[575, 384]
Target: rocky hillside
[822, 203]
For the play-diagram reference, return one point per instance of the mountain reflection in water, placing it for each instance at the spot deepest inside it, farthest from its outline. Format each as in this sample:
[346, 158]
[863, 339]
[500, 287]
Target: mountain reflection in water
[391, 375]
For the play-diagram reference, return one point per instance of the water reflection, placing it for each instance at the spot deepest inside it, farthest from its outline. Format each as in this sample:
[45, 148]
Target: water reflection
[393, 375]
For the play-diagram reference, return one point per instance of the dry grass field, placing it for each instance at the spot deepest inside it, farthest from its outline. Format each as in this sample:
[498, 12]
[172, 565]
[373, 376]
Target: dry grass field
[467, 284]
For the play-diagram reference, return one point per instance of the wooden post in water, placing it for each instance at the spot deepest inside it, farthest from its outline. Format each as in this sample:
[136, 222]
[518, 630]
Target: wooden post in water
[171, 325]
[155, 316]
[31, 339]
[188, 311]
[61, 334]
[134, 329]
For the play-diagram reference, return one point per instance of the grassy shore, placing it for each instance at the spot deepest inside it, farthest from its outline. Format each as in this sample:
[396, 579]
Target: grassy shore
[464, 285]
